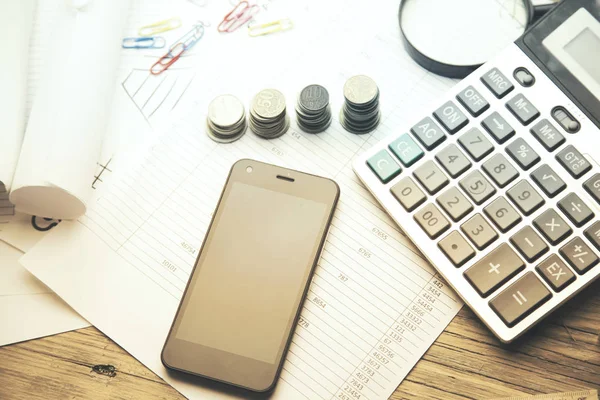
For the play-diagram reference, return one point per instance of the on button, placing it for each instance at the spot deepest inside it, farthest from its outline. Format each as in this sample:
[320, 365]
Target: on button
[565, 119]
[524, 77]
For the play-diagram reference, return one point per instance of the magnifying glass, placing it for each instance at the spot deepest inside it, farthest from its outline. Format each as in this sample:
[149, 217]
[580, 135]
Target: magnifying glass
[454, 37]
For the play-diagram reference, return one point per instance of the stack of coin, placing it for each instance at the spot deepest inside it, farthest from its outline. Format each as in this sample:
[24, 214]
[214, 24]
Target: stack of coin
[313, 110]
[226, 120]
[360, 113]
[268, 117]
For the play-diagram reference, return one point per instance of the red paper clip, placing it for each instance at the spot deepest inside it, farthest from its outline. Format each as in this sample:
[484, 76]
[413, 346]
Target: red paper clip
[237, 17]
[168, 59]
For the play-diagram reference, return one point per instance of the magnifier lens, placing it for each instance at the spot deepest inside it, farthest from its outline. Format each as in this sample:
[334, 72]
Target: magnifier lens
[462, 33]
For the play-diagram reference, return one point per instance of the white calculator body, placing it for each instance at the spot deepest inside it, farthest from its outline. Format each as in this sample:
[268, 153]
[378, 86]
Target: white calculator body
[498, 183]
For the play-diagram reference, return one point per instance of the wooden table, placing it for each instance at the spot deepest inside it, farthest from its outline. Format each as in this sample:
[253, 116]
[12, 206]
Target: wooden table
[560, 354]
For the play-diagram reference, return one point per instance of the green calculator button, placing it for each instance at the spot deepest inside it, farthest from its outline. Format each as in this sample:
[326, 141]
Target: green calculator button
[384, 166]
[406, 149]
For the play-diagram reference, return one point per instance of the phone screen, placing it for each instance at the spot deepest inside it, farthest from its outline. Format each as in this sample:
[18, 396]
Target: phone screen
[251, 272]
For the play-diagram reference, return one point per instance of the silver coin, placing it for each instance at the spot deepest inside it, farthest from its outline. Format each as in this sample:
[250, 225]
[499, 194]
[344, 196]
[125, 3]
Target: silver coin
[312, 129]
[358, 130]
[225, 139]
[268, 103]
[313, 98]
[273, 132]
[225, 111]
[360, 89]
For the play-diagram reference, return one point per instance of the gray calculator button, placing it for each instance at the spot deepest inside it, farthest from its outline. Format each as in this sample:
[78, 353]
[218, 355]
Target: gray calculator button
[524, 77]
[476, 144]
[479, 231]
[552, 226]
[477, 187]
[502, 214]
[493, 270]
[384, 166]
[525, 197]
[408, 194]
[579, 255]
[500, 170]
[547, 135]
[555, 273]
[431, 220]
[520, 299]
[473, 101]
[431, 177]
[548, 180]
[429, 133]
[456, 248]
[529, 243]
[497, 126]
[522, 109]
[453, 160]
[451, 117]
[522, 153]
[455, 204]
[576, 210]
[497, 83]
[593, 234]
[572, 160]
[592, 186]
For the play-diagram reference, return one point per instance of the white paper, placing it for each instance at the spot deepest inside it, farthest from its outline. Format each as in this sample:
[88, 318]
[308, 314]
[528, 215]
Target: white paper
[28, 308]
[63, 141]
[16, 22]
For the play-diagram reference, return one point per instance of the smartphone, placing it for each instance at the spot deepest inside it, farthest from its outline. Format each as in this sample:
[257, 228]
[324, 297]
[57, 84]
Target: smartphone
[242, 302]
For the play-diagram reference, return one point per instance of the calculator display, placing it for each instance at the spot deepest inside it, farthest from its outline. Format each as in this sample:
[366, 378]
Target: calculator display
[585, 49]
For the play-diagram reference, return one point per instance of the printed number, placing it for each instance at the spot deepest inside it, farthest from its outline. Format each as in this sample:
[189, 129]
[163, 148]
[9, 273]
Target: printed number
[428, 297]
[429, 218]
[319, 302]
[434, 291]
[364, 252]
[343, 396]
[296, 135]
[187, 247]
[499, 168]
[303, 323]
[451, 159]
[381, 234]
[343, 278]
[406, 191]
[276, 151]
[525, 195]
[362, 377]
[423, 304]
[170, 266]
[479, 140]
[476, 185]
[367, 370]
[477, 230]
[501, 212]
[452, 202]
[437, 283]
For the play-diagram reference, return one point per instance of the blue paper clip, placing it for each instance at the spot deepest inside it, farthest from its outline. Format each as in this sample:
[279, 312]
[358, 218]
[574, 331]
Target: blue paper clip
[152, 42]
[181, 45]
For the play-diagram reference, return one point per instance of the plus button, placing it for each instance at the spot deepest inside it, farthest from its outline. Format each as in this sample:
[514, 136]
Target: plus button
[494, 268]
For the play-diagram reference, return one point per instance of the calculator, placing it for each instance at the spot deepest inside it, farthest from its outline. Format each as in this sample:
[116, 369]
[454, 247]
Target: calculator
[498, 183]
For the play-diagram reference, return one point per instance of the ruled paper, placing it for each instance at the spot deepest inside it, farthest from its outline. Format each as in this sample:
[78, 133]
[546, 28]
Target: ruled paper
[374, 304]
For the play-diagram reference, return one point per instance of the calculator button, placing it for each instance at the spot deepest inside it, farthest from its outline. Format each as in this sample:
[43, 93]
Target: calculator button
[555, 273]
[565, 119]
[497, 126]
[451, 117]
[552, 226]
[407, 151]
[431, 177]
[455, 204]
[593, 234]
[524, 77]
[476, 144]
[522, 153]
[479, 231]
[456, 248]
[453, 160]
[522, 109]
[529, 243]
[579, 255]
[502, 214]
[576, 210]
[477, 187]
[500, 170]
[384, 166]
[429, 134]
[547, 135]
[572, 160]
[408, 194]
[592, 186]
[525, 197]
[550, 183]
[497, 83]
[493, 270]
[432, 221]
[520, 299]
[473, 101]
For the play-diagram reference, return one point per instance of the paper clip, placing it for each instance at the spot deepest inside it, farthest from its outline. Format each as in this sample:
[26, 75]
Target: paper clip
[270, 27]
[160, 26]
[237, 17]
[151, 42]
[182, 45]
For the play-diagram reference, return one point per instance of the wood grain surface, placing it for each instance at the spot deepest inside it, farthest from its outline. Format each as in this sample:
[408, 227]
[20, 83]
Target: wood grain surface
[466, 362]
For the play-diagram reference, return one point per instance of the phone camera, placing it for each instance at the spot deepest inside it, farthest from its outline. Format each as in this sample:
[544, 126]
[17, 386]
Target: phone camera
[249, 169]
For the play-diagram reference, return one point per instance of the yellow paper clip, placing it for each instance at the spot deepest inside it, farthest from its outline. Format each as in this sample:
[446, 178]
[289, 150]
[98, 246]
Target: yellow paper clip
[270, 27]
[160, 26]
